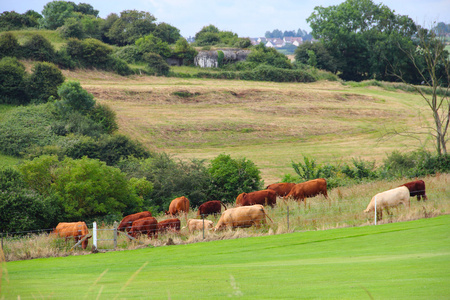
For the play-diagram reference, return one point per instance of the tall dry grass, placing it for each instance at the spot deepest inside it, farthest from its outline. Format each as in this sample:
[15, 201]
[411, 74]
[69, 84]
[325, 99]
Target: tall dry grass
[344, 208]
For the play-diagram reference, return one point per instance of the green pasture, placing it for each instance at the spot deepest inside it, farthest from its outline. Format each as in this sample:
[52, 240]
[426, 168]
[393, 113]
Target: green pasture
[407, 260]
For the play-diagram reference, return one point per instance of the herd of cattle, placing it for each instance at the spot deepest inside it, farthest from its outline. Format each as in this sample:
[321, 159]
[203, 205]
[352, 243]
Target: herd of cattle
[248, 211]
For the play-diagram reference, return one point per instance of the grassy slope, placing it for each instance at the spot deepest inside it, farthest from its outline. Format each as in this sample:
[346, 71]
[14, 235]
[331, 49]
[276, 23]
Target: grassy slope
[408, 260]
[269, 123]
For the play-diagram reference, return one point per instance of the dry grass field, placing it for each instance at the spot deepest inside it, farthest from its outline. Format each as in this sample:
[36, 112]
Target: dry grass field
[271, 124]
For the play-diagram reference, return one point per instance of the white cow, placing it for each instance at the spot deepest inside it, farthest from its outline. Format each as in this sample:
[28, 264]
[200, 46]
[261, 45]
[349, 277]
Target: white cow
[387, 199]
[197, 224]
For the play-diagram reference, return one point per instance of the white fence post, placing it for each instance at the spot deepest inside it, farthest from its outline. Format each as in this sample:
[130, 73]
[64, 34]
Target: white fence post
[375, 210]
[94, 235]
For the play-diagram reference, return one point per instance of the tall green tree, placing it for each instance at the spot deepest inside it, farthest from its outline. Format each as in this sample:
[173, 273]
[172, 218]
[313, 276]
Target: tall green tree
[55, 13]
[355, 33]
[130, 26]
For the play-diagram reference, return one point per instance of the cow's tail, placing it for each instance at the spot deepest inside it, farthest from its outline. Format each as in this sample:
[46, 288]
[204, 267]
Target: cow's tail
[265, 213]
[223, 205]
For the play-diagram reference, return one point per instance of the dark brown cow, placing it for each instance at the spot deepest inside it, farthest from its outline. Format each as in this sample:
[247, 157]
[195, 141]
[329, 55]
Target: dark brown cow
[264, 197]
[148, 226]
[210, 207]
[282, 189]
[169, 224]
[308, 189]
[76, 230]
[416, 188]
[180, 204]
[125, 224]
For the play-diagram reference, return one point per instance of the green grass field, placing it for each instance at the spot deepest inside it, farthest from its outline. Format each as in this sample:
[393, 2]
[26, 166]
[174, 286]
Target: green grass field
[406, 260]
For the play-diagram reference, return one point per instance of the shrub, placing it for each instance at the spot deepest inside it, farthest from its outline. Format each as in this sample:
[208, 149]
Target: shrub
[156, 64]
[170, 179]
[74, 98]
[25, 127]
[72, 28]
[102, 114]
[12, 82]
[39, 48]
[230, 177]
[118, 66]
[88, 187]
[130, 54]
[43, 82]
[109, 149]
[22, 209]
[89, 52]
[9, 46]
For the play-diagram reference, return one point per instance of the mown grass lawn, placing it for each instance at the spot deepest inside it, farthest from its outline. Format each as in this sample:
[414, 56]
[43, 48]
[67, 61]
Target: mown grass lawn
[408, 260]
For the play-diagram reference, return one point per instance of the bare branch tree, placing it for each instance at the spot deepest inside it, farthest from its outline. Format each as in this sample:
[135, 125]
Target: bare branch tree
[431, 61]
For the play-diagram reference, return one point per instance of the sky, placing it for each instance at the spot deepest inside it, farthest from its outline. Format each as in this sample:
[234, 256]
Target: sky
[247, 18]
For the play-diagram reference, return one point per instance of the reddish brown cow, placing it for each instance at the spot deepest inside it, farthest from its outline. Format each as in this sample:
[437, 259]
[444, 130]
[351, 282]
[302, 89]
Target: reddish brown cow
[416, 188]
[125, 224]
[210, 207]
[178, 205]
[148, 226]
[282, 189]
[264, 197]
[308, 189]
[169, 224]
[76, 230]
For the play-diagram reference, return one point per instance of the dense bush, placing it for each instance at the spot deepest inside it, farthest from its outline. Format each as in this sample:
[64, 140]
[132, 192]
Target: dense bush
[25, 127]
[156, 64]
[22, 209]
[39, 48]
[269, 56]
[86, 188]
[396, 165]
[12, 81]
[74, 98]
[43, 82]
[104, 116]
[230, 177]
[9, 45]
[170, 178]
[107, 148]
[129, 54]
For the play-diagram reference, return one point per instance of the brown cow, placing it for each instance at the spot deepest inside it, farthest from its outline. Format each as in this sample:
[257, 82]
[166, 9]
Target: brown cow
[416, 188]
[147, 226]
[282, 189]
[308, 189]
[210, 207]
[178, 205]
[242, 216]
[125, 224]
[264, 197]
[169, 224]
[77, 230]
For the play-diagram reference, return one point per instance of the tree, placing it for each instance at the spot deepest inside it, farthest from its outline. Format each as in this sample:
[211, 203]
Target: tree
[39, 48]
[355, 43]
[130, 26]
[323, 58]
[12, 81]
[43, 82]
[74, 98]
[55, 13]
[167, 33]
[230, 177]
[432, 62]
[184, 50]
[153, 44]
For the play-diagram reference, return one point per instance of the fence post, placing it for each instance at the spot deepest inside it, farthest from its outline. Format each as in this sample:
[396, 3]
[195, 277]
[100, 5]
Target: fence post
[94, 235]
[375, 210]
[203, 218]
[115, 234]
[288, 218]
